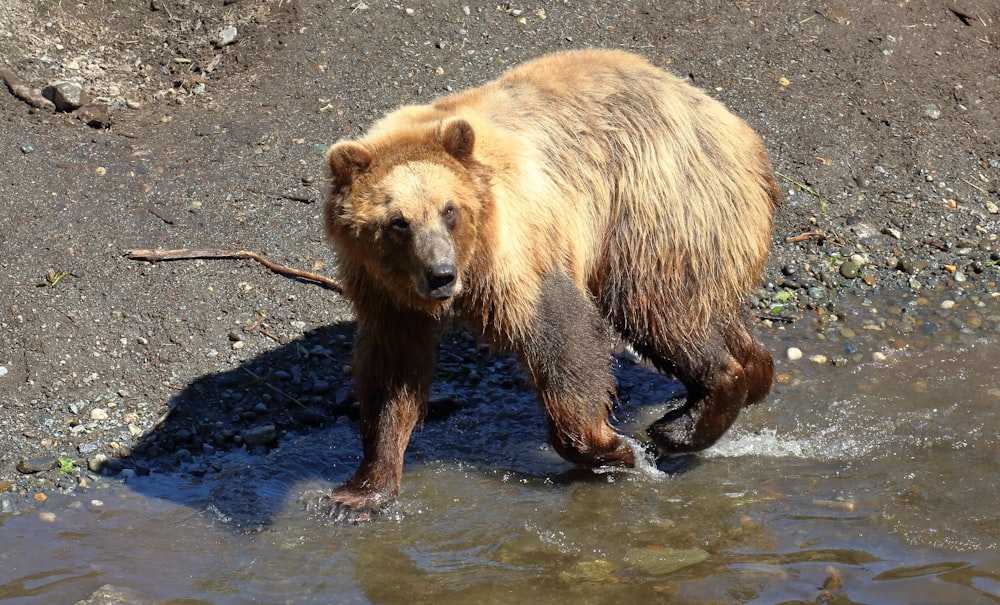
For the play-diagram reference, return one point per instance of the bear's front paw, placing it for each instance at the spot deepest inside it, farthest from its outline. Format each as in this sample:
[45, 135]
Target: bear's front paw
[349, 505]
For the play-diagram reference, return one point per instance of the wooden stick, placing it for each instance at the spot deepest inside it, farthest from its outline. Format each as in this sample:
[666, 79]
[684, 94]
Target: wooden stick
[28, 95]
[160, 254]
[813, 234]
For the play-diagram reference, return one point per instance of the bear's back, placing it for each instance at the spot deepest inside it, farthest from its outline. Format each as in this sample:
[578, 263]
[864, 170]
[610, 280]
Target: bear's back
[658, 175]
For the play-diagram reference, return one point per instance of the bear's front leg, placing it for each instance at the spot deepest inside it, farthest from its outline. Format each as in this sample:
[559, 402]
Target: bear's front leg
[568, 356]
[394, 359]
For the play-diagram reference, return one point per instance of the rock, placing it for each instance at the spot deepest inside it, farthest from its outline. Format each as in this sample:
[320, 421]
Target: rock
[849, 269]
[37, 464]
[260, 435]
[817, 292]
[98, 414]
[95, 116]
[226, 37]
[67, 95]
[3, 371]
[664, 561]
[96, 464]
[308, 416]
[112, 595]
[794, 354]
[593, 572]
[893, 232]
[208, 130]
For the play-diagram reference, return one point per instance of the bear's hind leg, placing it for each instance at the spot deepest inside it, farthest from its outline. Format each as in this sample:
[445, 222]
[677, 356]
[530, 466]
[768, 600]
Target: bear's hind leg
[567, 354]
[758, 365]
[718, 387]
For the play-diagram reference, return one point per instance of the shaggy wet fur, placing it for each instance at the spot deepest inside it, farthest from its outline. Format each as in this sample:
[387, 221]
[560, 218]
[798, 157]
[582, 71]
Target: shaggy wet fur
[577, 191]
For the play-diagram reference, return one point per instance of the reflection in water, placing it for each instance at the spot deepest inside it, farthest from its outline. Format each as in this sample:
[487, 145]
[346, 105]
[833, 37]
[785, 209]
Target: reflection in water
[876, 484]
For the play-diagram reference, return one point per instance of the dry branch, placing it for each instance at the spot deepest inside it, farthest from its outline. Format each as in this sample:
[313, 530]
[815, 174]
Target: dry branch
[812, 234]
[28, 95]
[159, 254]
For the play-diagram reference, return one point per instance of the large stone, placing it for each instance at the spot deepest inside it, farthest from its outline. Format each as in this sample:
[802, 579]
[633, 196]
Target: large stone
[67, 95]
[664, 561]
[37, 465]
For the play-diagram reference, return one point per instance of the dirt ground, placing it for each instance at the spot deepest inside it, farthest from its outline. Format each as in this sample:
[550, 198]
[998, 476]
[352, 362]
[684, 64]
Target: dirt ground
[881, 118]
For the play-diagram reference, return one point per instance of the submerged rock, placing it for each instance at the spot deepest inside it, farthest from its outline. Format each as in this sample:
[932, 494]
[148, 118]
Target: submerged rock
[112, 595]
[664, 561]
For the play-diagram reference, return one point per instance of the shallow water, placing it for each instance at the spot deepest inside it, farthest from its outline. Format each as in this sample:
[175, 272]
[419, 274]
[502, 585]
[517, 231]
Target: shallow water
[869, 484]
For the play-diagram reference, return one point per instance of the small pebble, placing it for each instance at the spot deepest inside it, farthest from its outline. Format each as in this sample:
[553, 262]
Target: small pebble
[46, 516]
[794, 354]
[947, 304]
[819, 359]
[98, 414]
[227, 36]
[208, 130]
[96, 464]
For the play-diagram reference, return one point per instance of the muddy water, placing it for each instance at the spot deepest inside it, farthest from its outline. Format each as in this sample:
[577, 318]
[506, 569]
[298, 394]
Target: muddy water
[871, 484]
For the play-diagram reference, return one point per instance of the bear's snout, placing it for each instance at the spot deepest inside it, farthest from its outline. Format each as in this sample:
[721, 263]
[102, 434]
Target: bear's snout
[441, 280]
[437, 276]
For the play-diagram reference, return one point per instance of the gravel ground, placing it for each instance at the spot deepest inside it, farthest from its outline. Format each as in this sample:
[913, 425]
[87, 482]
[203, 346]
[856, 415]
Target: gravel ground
[204, 126]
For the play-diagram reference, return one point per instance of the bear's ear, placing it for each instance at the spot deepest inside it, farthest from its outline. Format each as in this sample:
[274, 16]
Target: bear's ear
[347, 160]
[457, 137]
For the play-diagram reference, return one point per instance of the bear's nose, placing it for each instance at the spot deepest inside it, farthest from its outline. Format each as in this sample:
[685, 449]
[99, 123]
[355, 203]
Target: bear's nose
[439, 278]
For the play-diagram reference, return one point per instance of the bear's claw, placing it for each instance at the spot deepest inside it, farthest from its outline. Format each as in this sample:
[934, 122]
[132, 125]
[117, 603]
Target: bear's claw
[349, 506]
[343, 514]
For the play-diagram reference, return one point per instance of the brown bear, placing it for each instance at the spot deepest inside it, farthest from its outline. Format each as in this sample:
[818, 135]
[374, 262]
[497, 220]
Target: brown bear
[578, 192]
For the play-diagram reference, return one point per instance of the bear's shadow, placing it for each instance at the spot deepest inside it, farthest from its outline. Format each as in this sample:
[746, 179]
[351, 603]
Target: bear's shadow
[284, 424]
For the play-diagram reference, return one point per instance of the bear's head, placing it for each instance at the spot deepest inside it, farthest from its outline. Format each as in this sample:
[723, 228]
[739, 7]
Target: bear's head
[403, 213]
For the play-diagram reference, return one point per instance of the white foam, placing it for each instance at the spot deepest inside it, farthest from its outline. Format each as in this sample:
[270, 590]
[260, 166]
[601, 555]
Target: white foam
[825, 444]
[645, 463]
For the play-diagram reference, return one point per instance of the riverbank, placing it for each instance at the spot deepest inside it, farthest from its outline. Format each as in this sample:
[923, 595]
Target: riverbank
[876, 118]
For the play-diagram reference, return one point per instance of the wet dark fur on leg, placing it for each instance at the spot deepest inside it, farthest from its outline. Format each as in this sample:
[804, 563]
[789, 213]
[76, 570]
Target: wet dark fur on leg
[722, 376]
[567, 357]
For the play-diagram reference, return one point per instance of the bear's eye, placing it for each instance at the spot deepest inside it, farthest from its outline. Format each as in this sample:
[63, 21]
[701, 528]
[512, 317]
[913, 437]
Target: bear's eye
[449, 214]
[399, 224]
